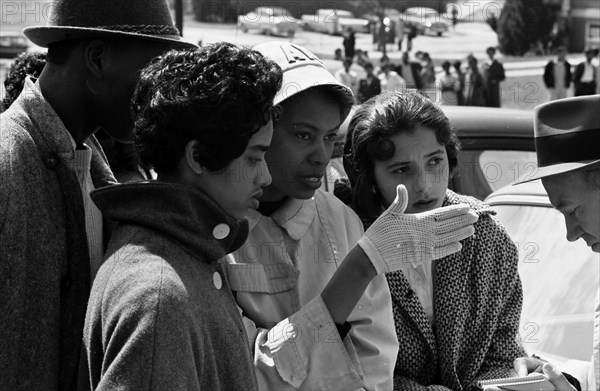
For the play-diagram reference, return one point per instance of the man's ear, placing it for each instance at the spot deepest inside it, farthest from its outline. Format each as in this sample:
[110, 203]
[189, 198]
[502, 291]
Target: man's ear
[94, 57]
[190, 157]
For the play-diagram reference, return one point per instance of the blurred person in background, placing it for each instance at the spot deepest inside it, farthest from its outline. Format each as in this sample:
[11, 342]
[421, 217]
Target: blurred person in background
[362, 57]
[399, 24]
[493, 73]
[474, 84]
[349, 43]
[369, 86]
[347, 76]
[410, 71]
[390, 80]
[427, 75]
[447, 86]
[584, 76]
[566, 140]
[557, 74]
[335, 171]
[461, 82]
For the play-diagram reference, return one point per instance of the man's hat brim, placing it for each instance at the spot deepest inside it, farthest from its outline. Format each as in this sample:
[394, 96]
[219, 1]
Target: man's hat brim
[566, 136]
[45, 35]
[556, 169]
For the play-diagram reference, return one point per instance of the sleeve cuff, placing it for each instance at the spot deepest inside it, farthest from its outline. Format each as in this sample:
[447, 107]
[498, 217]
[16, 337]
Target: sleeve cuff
[308, 350]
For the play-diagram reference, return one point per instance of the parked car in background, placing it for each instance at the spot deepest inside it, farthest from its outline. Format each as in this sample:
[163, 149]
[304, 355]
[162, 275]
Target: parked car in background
[426, 20]
[334, 22]
[12, 44]
[497, 147]
[560, 278]
[270, 21]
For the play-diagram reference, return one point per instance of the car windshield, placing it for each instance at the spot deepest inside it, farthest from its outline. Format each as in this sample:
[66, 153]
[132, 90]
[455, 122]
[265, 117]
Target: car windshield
[560, 282]
[272, 11]
[13, 40]
[344, 14]
[501, 168]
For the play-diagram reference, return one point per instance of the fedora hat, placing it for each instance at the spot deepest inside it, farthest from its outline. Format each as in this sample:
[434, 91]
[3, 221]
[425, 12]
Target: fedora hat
[75, 19]
[567, 136]
[302, 70]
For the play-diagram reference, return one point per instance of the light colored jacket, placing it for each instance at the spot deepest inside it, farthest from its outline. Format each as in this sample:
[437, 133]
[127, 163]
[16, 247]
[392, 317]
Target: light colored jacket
[44, 259]
[278, 276]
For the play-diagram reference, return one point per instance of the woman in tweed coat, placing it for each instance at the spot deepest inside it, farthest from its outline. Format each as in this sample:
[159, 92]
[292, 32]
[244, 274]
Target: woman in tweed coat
[456, 318]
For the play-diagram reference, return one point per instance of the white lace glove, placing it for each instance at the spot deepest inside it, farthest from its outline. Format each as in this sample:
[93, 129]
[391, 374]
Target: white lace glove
[396, 238]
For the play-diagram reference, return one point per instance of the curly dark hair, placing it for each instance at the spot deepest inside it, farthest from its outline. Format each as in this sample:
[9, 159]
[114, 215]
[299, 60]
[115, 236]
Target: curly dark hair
[219, 95]
[368, 139]
[25, 64]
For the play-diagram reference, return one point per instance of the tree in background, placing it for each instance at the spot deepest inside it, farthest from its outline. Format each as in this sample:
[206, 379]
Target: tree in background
[525, 25]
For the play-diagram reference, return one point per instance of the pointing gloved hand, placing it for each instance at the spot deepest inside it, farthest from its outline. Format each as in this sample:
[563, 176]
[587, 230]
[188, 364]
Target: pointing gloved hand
[396, 238]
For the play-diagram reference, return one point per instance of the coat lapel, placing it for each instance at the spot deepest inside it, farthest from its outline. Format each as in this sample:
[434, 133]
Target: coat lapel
[405, 299]
[451, 279]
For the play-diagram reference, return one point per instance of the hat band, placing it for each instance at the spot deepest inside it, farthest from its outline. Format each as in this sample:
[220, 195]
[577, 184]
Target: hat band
[145, 29]
[568, 147]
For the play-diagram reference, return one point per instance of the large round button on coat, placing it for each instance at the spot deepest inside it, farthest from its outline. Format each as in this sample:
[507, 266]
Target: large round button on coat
[221, 231]
[217, 280]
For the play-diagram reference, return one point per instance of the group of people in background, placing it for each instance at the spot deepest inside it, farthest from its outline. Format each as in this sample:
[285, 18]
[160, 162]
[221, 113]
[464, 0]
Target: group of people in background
[477, 85]
[227, 267]
[558, 74]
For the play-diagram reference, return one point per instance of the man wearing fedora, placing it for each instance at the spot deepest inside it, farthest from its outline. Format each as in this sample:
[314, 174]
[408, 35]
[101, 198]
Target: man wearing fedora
[567, 136]
[584, 76]
[51, 234]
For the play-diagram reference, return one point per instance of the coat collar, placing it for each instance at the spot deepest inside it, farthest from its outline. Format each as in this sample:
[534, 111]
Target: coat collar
[181, 212]
[478, 207]
[43, 116]
[50, 134]
[294, 217]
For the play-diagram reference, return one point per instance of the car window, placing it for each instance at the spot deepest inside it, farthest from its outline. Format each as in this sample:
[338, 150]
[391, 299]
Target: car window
[560, 282]
[501, 168]
[344, 14]
[279, 12]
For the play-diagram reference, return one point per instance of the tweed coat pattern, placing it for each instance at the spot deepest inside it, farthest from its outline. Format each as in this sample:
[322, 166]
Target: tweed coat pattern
[477, 305]
[44, 259]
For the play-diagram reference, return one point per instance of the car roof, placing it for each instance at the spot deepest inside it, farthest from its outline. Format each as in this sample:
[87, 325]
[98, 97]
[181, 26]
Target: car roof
[420, 10]
[528, 193]
[490, 121]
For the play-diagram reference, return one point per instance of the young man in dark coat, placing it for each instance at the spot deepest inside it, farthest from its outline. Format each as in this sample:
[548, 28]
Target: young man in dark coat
[51, 235]
[584, 77]
[493, 74]
[410, 72]
[557, 75]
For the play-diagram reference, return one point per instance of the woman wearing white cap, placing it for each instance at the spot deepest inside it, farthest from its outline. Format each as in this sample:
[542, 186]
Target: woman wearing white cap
[316, 305]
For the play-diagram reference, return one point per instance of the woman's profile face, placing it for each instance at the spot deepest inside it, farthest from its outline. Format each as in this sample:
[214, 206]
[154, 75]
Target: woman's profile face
[421, 164]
